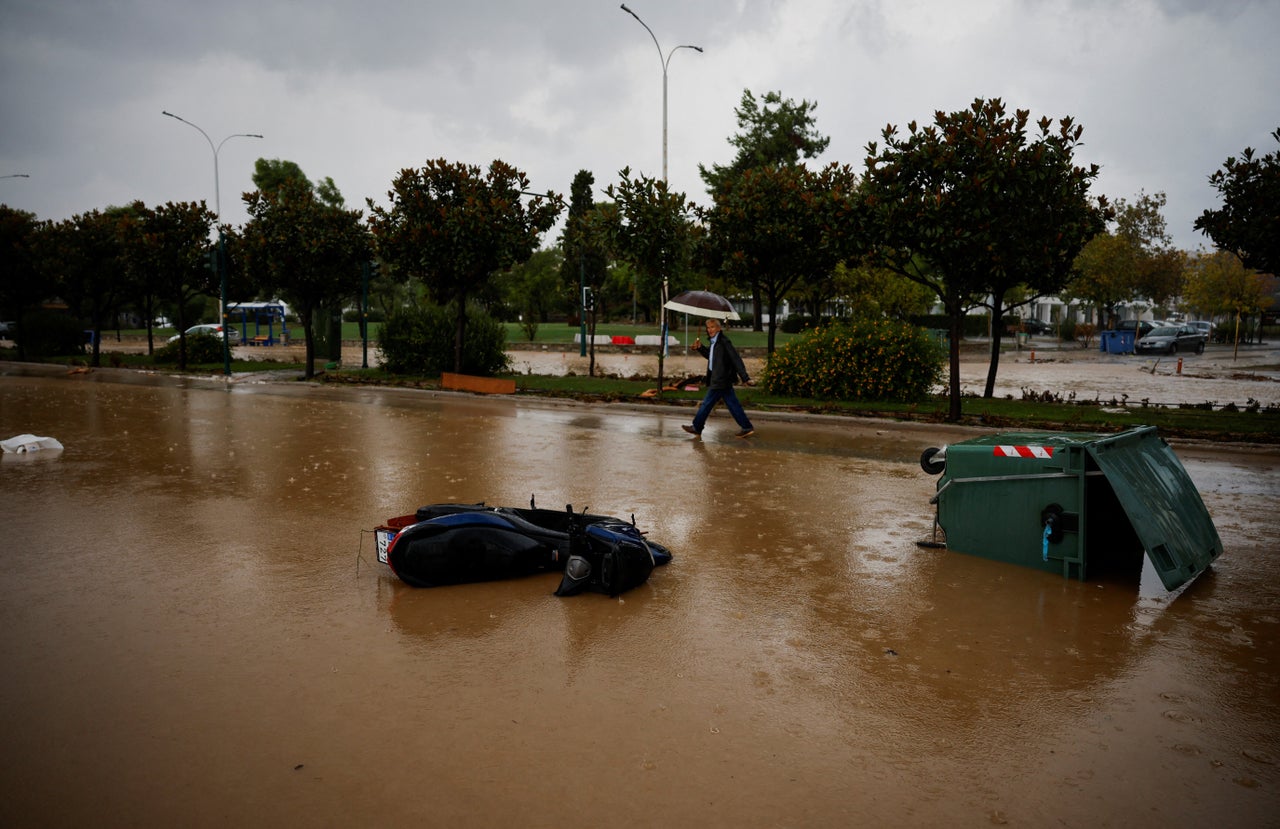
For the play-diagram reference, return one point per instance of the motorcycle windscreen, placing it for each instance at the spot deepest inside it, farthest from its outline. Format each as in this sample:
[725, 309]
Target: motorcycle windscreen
[1161, 502]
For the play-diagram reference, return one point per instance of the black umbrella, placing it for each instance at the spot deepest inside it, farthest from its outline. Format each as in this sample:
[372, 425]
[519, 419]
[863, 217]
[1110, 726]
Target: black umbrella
[702, 304]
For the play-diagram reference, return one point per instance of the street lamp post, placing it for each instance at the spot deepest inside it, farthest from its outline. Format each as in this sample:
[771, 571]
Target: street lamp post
[666, 61]
[221, 254]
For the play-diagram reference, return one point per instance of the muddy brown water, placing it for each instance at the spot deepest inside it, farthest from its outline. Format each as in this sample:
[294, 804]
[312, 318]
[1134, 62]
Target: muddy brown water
[194, 630]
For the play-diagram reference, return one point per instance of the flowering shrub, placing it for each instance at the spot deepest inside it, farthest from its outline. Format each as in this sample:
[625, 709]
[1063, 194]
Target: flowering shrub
[861, 360]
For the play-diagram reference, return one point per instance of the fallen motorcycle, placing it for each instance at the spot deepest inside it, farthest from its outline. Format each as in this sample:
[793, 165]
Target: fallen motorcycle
[443, 544]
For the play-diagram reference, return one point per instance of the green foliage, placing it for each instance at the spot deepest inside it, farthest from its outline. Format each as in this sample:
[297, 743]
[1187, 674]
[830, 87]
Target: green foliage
[978, 204]
[532, 290]
[795, 323]
[305, 250]
[863, 360]
[872, 293]
[770, 227]
[1248, 223]
[654, 230]
[84, 257]
[589, 247]
[420, 341]
[20, 285]
[201, 348]
[169, 257]
[353, 315]
[45, 333]
[1219, 285]
[273, 175]
[1137, 260]
[772, 133]
[453, 226]
[587, 240]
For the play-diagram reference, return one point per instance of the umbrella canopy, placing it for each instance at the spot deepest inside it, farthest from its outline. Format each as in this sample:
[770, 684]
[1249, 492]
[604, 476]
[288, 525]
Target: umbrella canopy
[702, 304]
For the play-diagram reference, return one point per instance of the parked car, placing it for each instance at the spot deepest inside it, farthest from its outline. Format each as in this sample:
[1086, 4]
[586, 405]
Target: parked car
[1141, 328]
[1170, 339]
[1204, 327]
[210, 330]
[1034, 326]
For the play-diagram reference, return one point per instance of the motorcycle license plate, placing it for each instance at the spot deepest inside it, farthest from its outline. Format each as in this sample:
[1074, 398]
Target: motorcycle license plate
[382, 542]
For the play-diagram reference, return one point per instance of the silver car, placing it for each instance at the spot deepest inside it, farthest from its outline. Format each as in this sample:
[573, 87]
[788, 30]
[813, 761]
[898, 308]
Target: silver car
[210, 330]
[1170, 339]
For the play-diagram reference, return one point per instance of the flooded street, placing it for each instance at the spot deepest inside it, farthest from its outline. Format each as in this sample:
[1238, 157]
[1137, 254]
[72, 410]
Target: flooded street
[195, 631]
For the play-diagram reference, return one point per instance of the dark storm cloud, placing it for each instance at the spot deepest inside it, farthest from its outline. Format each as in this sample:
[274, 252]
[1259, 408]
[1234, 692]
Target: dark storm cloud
[1165, 89]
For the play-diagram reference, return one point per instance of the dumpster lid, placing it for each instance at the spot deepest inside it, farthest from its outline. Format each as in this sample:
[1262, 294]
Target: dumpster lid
[1162, 503]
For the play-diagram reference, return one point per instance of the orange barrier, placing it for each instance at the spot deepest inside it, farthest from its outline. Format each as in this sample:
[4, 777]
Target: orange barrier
[482, 385]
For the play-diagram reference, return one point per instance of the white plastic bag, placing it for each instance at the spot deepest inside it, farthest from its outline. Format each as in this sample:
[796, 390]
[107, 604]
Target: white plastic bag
[28, 443]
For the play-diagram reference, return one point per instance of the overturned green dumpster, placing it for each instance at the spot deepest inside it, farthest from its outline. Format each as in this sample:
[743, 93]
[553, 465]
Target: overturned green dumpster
[1073, 503]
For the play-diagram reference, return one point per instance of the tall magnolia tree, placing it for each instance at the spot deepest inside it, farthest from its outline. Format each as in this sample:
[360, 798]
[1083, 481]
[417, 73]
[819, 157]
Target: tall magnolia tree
[973, 205]
[1248, 223]
[309, 251]
[85, 256]
[774, 226]
[169, 257]
[453, 226]
[21, 287]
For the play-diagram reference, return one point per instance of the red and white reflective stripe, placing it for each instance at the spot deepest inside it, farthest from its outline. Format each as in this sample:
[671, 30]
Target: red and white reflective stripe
[1023, 452]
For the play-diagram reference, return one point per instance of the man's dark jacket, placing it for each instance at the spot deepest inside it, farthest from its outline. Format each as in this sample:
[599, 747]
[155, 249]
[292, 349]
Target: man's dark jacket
[728, 367]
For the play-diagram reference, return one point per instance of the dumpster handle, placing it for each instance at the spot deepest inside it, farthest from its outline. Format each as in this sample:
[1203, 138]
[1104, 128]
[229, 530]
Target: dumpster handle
[1048, 530]
[989, 478]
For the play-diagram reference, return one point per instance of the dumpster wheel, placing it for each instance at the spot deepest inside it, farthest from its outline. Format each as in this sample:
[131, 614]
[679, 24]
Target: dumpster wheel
[932, 464]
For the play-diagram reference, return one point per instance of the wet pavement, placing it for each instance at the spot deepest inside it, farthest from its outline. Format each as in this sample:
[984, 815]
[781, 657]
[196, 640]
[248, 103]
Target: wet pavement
[195, 631]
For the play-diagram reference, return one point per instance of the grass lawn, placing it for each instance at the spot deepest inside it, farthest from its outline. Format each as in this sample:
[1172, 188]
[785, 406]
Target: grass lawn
[1247, 426]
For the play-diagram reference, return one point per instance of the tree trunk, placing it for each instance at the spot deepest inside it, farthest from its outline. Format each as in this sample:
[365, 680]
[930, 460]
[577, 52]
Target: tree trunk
[309, 349]
[149, 310]
[459, 333]
[773, 324]
[997, 330]
[955, 311]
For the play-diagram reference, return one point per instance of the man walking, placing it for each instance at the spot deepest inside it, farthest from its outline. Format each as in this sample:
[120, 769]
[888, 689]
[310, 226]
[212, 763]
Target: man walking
[724, 368]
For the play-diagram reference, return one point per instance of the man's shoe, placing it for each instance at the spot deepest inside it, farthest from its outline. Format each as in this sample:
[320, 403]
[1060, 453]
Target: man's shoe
[745, 433]
[690, 430]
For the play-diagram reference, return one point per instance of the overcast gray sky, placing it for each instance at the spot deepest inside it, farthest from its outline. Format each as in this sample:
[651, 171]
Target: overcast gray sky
[1165, 89]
